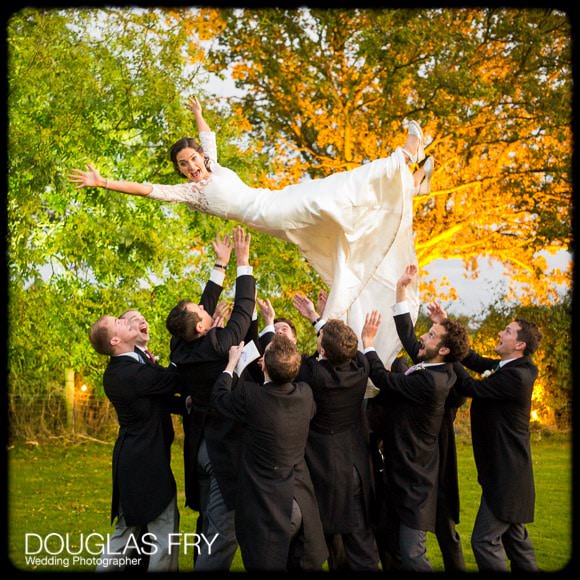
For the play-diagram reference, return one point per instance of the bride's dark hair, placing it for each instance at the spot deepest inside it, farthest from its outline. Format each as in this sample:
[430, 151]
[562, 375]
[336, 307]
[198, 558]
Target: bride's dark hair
[187, 143]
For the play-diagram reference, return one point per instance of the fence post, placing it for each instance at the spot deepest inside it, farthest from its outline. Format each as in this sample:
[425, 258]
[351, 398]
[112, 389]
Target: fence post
[69, 397]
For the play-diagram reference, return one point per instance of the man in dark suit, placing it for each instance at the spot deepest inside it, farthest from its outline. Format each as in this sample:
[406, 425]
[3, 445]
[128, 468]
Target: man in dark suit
[415, 403]
[448, 484]
[500, 419]
[337, 453]
[212, 442]
[144, 490]
[277, 520]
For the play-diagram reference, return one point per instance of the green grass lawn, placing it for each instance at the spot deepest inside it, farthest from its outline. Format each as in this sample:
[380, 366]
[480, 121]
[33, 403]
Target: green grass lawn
[61, 489]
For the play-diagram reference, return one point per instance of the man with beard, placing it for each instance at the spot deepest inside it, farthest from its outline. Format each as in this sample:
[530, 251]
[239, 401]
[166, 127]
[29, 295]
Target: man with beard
[414, 405]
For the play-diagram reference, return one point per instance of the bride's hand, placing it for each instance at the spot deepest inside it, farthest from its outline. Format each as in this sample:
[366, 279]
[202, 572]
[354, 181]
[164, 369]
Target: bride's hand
[91, 178]
[194, 106]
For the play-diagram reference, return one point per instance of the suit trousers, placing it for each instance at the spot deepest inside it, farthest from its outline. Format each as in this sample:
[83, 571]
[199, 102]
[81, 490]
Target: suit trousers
[492, 540]
[448, 537]
[217, 520]
[413, 548]
[162, 557]
[356, 550]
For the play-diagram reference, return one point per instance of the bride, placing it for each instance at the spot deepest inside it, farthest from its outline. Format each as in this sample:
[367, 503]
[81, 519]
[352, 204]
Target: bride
[353, 227]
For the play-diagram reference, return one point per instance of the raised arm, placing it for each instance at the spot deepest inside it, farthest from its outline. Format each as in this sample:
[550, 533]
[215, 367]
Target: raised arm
[407, 277]
[195, 107]
[92, 178]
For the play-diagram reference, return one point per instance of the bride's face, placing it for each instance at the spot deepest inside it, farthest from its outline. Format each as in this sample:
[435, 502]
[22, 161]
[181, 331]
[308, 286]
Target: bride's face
[191, 164]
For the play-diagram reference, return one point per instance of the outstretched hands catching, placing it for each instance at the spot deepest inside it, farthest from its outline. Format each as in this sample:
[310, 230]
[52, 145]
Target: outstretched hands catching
[242, 246]
[223, 249]
[371, 327]
[305, 306]
[267, 310]
[436, 312]
[408, 276]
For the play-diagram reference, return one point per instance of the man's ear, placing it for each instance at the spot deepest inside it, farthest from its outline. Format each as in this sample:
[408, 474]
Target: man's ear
[520, 345]
[444, 350]
[115, 340]
[199, 328]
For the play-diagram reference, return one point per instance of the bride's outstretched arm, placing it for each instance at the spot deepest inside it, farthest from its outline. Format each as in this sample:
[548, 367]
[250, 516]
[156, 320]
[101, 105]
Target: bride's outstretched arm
[92, 178]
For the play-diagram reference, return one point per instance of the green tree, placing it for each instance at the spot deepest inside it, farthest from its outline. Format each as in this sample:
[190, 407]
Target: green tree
[106, 87]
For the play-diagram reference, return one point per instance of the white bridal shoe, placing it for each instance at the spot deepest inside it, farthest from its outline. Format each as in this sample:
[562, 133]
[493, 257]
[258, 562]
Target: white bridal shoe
[415, 129]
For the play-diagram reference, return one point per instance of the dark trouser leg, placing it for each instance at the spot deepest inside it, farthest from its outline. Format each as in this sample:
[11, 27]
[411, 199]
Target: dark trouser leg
[217, 520]
[413, 546]
[519, 549]
[360, 545]
[336, 554]
[486, 540]
[448, 539]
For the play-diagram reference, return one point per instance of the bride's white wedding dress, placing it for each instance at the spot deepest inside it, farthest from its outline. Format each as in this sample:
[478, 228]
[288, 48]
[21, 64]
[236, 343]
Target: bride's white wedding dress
[353, 227]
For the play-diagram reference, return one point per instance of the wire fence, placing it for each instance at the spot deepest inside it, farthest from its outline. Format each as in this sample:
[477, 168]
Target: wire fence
[32, 418]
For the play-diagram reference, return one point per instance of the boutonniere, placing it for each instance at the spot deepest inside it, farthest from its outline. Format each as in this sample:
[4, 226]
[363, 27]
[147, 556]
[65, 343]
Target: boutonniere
[487, 373]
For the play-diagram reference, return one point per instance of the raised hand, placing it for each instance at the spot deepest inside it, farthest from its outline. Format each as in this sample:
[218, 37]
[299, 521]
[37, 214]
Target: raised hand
[194, 105]
[222, 313]
[222, 249]
[242, 246]
[408, 275]
[267, 311]
[436, 312]
[321, 303]
[371, 327]
[305, 306]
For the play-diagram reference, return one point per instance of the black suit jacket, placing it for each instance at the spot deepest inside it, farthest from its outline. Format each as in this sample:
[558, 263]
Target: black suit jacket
[500, 420]
[414, 406]
[273, 471]
[200, 362]
[448, 477]
[337, 440]
[143, 482]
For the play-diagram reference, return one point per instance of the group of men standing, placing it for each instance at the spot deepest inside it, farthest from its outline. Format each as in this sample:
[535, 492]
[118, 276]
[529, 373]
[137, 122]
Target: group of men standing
[289, 458]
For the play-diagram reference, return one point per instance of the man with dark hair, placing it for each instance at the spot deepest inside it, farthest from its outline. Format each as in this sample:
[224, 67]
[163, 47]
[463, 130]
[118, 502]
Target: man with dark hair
[500, 420]
[277, 521]
[144, 490]
[414, 404]
[200, 350]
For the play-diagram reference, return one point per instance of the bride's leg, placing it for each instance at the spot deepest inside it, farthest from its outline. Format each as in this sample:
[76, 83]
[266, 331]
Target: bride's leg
[411, 147]
[418, 176]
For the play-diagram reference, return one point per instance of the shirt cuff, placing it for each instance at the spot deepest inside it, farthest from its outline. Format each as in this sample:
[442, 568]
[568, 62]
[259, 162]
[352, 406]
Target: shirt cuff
[266, 329]
[229, 373]
[217, 276]
[400, 308]
[369, 349]
[245, 271]
[319, 324]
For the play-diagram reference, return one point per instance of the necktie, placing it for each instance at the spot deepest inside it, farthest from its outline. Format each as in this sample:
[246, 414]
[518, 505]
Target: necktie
[414, 368]
[150, 354]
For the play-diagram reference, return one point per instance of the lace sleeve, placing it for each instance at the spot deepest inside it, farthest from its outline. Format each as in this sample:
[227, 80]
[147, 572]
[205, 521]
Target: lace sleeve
[188, 193]
[208, 142]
